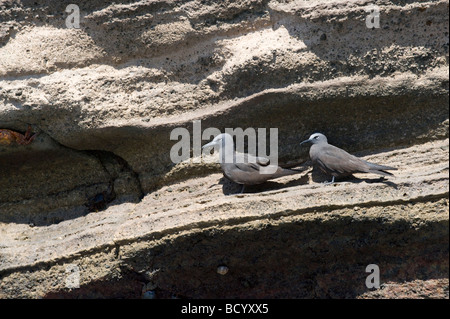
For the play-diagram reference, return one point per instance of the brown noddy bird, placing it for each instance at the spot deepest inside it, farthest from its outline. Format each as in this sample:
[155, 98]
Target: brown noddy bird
[337, 162]
[245, 169]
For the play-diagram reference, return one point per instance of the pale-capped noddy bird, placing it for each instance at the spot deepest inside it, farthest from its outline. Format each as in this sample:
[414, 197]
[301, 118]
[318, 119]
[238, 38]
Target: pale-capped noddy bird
[337, 162]
[245, 169]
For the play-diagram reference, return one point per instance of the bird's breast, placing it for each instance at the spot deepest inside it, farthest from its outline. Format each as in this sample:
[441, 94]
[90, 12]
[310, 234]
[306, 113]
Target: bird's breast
[313, 153]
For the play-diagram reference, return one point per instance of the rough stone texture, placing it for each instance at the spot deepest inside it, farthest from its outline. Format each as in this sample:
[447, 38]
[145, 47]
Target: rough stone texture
[104, 99]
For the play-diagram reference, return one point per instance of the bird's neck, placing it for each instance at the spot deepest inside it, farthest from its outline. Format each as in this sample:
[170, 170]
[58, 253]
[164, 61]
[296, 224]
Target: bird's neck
[226, 153]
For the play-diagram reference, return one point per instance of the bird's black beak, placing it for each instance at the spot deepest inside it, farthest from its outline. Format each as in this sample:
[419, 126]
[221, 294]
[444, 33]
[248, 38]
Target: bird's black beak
[305, 141]
[210, 144]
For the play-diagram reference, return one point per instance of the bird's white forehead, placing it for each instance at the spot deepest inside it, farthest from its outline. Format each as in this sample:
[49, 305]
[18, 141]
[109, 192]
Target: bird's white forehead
[315, 134]
[222, 136]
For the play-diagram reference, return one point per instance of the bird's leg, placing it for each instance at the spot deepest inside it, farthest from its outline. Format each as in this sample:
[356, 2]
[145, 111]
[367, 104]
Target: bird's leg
[242, 189]
[329, 183]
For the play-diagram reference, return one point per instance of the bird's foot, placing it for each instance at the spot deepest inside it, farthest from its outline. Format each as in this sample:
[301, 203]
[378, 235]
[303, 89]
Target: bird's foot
[241, 192]
[329, 183]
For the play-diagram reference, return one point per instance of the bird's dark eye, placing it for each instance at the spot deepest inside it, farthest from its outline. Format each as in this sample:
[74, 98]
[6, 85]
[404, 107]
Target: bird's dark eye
[316, 137]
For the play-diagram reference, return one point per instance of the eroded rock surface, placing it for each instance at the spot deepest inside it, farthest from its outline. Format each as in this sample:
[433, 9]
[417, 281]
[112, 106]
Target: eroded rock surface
[105, 97]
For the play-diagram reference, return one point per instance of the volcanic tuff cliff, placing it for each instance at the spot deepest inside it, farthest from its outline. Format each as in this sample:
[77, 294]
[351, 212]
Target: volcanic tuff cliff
[97, 189]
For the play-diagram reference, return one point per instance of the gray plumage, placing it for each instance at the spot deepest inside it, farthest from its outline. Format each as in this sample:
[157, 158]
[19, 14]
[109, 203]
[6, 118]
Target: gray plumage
[337, 162]
[245, 169]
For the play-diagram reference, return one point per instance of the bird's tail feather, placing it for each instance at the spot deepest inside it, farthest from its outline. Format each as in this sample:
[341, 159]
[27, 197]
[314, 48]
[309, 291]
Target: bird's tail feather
[380, 172]
[285, 172]
[377, 167]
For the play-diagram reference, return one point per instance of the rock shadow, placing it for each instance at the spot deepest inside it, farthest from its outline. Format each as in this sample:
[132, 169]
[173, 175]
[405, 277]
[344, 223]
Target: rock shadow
[231, 188]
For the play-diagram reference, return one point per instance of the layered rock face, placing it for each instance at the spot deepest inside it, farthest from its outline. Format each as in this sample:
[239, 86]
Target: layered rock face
[97, 191]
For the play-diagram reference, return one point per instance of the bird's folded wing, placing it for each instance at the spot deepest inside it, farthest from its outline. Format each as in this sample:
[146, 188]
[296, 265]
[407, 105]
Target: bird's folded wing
[337, 160]
[247, 158]
[247, 167]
